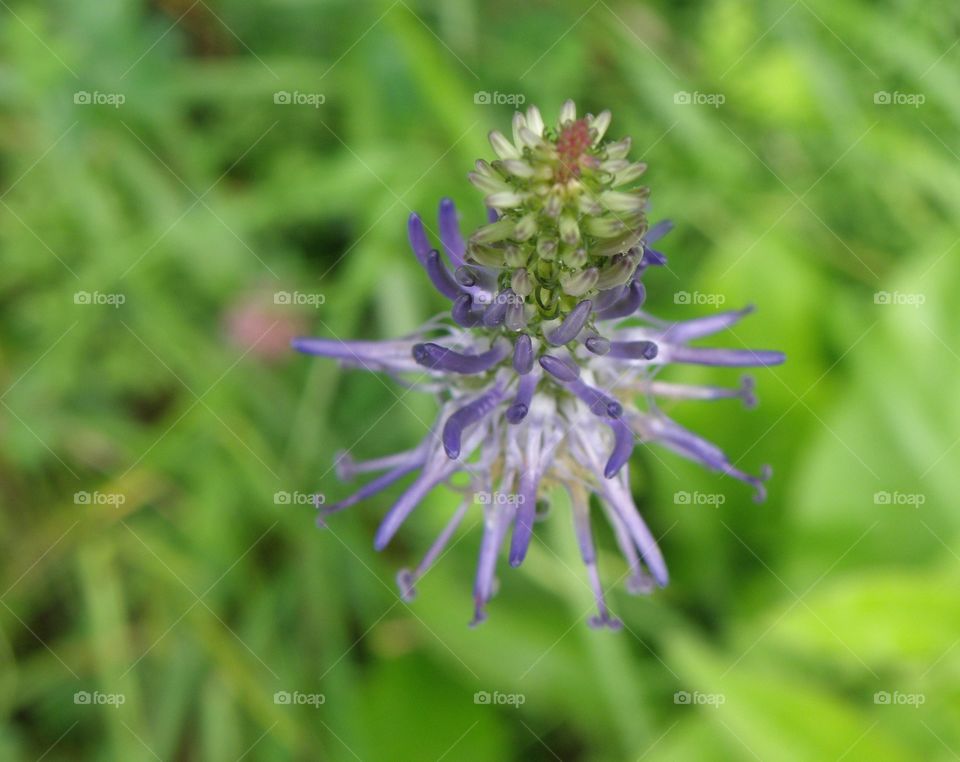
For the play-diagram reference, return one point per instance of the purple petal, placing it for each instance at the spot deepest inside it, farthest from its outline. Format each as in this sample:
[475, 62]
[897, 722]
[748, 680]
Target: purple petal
[658, 231]
[633, 350]
[369, 490]
[523, 355]
[629, 303]
[463, 313]
[745, 392]
[714, 356]
[493, 533]
[465, 276]
[623, 441]
[467, 415]
[572, 324]
[652, 257]
[418, 238]
[516, 318]
[440, 276]
[391, 356]
[497, 311]
[437, 357]
[599, 345]
[609, 297]
[406, 579]
[598, 402]
[581, 528]
[521, 403]
[526, 515]
[404, 505]
[562, 369]
[687, 330]
[621, 500]
[450, 234]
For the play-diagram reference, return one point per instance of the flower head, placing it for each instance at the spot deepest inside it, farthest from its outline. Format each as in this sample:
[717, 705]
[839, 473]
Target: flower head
[544, 356]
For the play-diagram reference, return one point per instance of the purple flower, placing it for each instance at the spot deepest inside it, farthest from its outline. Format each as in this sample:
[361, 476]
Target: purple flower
[544, 355]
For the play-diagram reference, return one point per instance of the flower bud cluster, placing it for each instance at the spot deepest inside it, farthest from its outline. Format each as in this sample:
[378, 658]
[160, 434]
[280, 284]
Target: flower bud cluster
[565, 228]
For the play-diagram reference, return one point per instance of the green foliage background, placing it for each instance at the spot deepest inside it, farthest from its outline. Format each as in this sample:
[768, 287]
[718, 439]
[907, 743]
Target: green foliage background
[200, 597]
